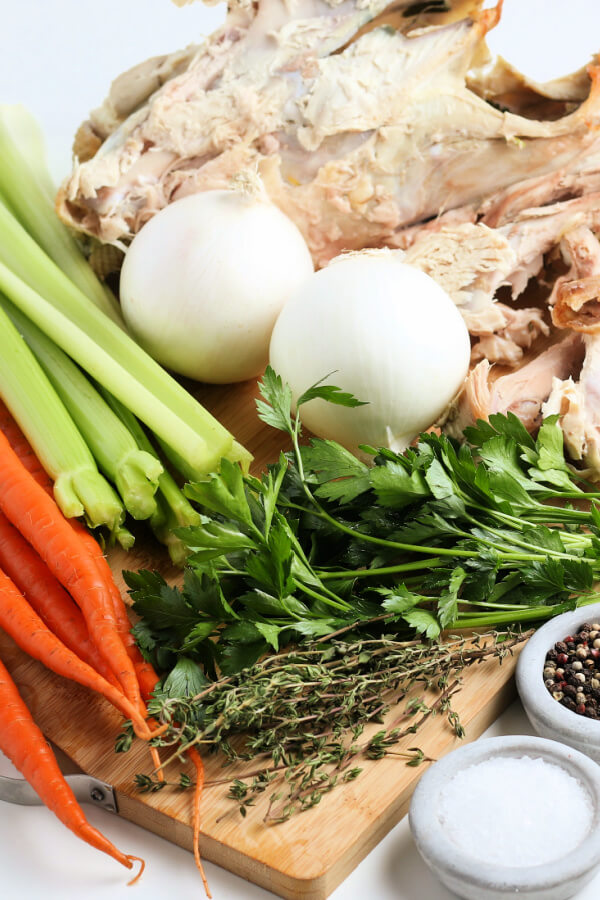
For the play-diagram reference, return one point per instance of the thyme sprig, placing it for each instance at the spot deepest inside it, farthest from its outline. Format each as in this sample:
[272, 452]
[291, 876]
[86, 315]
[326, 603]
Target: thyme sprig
[306, 717]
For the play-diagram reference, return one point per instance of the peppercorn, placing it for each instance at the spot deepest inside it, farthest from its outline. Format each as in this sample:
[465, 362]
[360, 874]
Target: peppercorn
[572, 671]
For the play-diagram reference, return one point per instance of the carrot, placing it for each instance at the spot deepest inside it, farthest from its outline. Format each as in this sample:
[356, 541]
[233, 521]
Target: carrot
[47, 597]
[24, 744]
[146, 675]
[26, 628]
[33, 512]
[196, 759]
[22, 448]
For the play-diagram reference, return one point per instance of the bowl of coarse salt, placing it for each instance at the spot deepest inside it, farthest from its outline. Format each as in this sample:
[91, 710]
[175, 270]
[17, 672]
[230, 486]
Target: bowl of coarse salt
[542, 691]
[507, 816]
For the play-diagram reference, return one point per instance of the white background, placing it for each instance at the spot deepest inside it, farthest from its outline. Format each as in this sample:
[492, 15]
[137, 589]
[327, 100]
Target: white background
[58, 58]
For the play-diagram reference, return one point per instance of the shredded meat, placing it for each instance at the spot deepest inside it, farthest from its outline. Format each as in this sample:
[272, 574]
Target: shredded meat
[360, 120]
[387, 124]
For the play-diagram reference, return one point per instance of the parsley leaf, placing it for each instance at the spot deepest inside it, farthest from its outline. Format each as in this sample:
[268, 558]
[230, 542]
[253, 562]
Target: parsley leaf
[395, 487]
[448, 602]
[398, 599]
[275, 409]
[423, 622]
[329, 393]
[186, 679]
[223, 493]
[340, 475]
[162, 606]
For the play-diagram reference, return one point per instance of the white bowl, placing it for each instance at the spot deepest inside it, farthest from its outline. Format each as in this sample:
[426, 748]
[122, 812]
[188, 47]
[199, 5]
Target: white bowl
[549, 717]
[474, 879]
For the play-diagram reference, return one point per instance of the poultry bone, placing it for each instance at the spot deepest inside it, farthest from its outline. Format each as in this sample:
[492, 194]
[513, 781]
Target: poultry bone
[387, 125]
[361, 119]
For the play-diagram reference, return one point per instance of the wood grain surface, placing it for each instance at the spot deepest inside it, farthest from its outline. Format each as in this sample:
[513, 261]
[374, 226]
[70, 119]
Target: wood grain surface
[307, 856]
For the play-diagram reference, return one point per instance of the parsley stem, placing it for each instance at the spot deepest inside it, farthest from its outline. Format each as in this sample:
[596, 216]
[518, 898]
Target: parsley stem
[530, 614]
[384, 570]
[516, 606]
[519, 543]
[337, 604]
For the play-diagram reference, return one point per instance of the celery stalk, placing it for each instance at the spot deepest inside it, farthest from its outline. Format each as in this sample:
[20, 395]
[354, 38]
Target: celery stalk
[110, 355]
[173, 509]
[79, 488]
[133, 471]
[120, 380]
[26, 185]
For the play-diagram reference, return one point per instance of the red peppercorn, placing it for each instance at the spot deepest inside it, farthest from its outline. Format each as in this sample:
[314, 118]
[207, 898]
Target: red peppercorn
[581, 708]
[562, 658]
[568, 638]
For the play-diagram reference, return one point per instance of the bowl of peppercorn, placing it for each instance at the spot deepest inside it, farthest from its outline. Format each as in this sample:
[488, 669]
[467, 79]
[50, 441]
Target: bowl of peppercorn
[558, 679]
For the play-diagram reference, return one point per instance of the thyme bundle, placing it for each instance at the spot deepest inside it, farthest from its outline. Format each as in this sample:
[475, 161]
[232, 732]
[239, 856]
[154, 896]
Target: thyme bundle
[301, 717]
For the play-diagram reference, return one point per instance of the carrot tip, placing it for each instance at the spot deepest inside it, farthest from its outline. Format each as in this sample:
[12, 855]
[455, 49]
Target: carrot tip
[201, 870]
[133, 859]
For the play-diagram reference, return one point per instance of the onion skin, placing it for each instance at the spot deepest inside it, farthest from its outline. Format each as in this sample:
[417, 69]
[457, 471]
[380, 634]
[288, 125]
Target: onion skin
[382, 330]
[204, 280]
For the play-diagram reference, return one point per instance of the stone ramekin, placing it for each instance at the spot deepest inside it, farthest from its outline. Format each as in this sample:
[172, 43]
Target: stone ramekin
[473, 879]
[549, 718]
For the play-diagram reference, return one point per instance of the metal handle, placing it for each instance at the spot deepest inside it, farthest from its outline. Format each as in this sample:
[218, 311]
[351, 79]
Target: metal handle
[85, 788]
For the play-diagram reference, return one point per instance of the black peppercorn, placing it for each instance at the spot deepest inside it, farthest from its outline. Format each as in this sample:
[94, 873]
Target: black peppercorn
[571, 671]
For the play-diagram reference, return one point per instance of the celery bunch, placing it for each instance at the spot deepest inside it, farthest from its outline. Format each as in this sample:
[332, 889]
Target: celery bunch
[73, 378]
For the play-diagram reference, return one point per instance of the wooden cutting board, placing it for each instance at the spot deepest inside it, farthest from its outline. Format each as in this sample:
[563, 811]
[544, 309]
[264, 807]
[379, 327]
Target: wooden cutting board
[307, 856]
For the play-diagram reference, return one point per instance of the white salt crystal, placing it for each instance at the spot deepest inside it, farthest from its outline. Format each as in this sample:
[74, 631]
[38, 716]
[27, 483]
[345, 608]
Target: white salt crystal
[515, 811]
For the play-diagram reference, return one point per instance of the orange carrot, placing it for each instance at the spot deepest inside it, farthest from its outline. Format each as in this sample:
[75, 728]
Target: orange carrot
[26, 628]
[22, 448]
[24, 744]
[196, 759]
[146, 675]
[27, 505]
[47, 597]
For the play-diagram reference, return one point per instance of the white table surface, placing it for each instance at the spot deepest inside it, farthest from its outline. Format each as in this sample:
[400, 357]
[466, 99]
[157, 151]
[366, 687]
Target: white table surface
[58, 58]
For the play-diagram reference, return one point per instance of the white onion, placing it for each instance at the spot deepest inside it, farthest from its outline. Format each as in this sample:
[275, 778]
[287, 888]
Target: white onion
[391, 336]
[204, 280]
